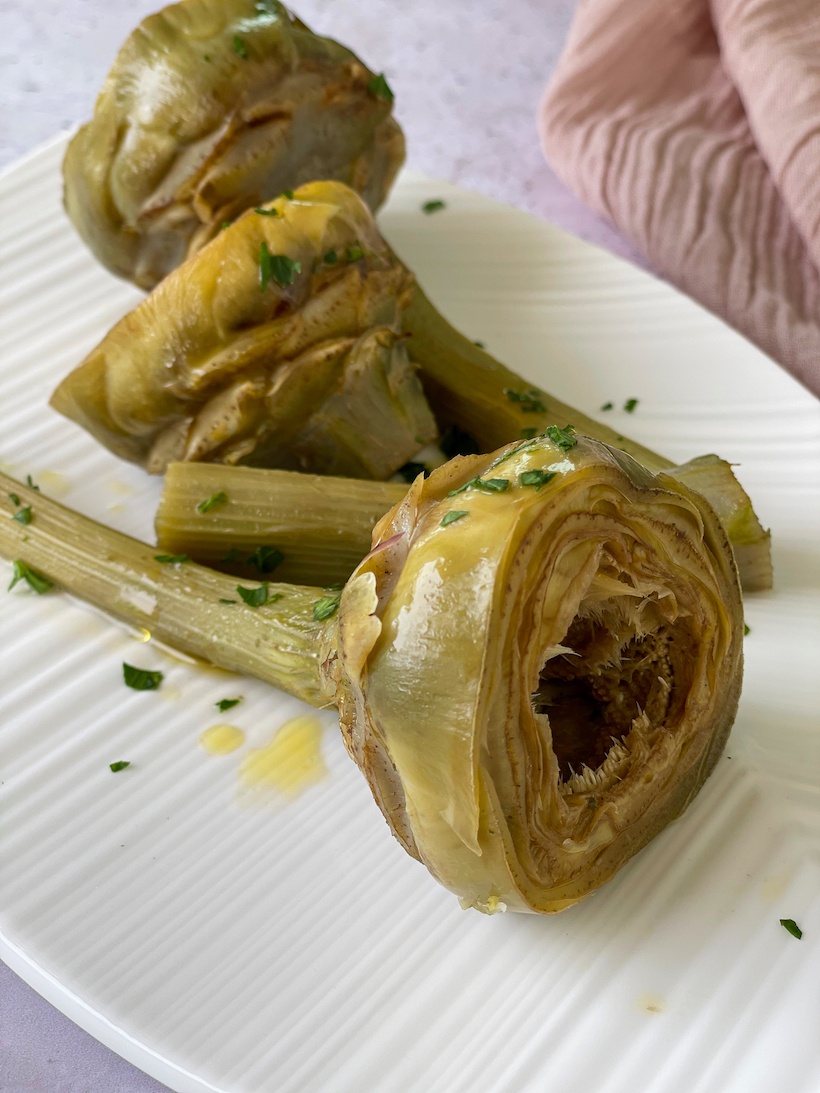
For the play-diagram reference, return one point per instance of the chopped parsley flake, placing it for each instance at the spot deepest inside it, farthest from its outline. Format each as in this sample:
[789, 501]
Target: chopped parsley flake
[529, 401]
[206, 57]
[33, 579]
[608, 406]
[479, 344]
[258, 597]
[267, 212]
[140, 679]
[239, 47]
[31, 485]
[121, 764]
[746, 629]
[537, 478]
[212, 502]
[379, 87]
[630, 405]
[434, 206]
[288, 194]
[276, 267]
[23, 516]
[227, 704]
[791, 927]
[486, 485]
[331, 258]
[225, 224]
[266, 558]
[15, 500]
[228, 601]
[528, 434]
[354, 252]
[171, 559]
[451, 517]
[326, 607]
[563, 438]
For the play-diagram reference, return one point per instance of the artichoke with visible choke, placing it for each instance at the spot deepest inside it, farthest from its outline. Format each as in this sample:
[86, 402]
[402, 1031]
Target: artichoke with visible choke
[537, 666]
[212, 107]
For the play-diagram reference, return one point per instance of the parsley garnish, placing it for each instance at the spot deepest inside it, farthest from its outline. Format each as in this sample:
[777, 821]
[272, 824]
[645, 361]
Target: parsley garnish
[607, 406]
[239, 47]
[140, 679]
[288, 194]
[354, 252]
[536, 478]
[746, 629]
[121, 764]
[451, 517]
[410, 471]
[479, 344]
[486, 485]
[791, 927]
[31, 485]
[206, 57]
[225, 224]
[630, 405]
[33, 579]
[331, 258]
[23, 516]
[228, 601]
[15, 500]
[563, 438]
[528, 434]
[212, 502]
[267, 212]
[277, 267]
[233, 555]
[258, 597]
[266, 558]
[529, 401]
[171, 559]
[227, 704]
[379, 87]
[433, 206]
[326, 607]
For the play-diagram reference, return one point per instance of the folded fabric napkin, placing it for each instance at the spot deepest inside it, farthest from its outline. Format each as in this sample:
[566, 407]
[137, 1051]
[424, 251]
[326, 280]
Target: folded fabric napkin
[694, 126]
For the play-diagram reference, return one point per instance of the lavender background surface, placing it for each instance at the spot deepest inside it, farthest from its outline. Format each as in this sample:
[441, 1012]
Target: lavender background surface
[468, 76]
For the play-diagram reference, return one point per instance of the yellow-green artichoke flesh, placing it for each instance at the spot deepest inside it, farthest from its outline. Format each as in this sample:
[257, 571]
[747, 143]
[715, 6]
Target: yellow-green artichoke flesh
[277, 344]
[212, 107]
[538, 666]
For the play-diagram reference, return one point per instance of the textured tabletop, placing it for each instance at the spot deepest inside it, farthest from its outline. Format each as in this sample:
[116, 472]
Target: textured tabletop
[468, 76]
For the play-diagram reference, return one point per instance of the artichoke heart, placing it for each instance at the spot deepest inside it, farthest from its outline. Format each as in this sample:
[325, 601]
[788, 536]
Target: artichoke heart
[538, 665]
[276, 345]
[212, 107]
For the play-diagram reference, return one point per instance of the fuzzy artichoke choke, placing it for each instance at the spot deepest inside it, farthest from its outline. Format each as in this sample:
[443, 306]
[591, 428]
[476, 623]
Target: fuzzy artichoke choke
[537, 666]
[276, 345]
[212, 107]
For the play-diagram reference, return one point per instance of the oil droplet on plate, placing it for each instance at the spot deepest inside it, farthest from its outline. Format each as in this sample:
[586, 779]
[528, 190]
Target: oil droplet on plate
[650, 1003]
[54, 483]
[291, 762]
[140, 634]
[222, 739]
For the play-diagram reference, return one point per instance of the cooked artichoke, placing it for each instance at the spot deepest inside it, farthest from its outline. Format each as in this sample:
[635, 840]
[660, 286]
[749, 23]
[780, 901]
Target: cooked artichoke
[536, 667]
[212, 107]
[277, 344]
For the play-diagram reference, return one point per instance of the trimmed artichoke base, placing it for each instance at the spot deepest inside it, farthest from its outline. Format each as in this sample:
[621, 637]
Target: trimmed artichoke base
[536, 687]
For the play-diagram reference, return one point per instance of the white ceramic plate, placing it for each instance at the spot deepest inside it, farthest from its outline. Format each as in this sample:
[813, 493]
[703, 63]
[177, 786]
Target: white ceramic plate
[249, 944]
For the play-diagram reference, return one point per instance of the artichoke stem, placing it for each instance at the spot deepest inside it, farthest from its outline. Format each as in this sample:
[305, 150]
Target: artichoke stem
[185, 605]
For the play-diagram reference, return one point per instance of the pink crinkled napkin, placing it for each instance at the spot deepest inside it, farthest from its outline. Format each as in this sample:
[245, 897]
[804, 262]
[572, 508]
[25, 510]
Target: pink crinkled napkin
[694, 126]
